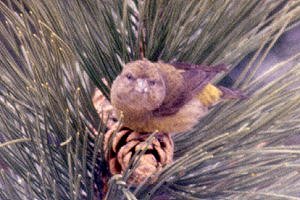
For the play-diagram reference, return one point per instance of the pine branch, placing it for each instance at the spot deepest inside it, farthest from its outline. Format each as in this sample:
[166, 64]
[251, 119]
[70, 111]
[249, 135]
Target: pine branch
[45, 97]
[51, 50]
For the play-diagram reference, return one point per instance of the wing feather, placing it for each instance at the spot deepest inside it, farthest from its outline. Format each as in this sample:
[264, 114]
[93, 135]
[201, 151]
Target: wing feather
[195, 77]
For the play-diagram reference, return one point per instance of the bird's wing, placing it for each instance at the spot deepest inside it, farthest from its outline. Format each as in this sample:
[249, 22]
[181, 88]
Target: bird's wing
[172, 107]
[188, 66]
[194, 80]
[197, 76]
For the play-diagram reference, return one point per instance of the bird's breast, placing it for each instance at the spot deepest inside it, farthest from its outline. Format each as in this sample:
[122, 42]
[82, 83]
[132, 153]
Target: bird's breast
[183, 120]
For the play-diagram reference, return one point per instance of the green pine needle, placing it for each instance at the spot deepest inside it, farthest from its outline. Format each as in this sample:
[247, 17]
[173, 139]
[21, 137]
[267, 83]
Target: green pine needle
[54, 52]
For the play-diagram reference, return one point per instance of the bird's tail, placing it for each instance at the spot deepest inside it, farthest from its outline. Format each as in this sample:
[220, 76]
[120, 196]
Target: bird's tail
[231, 93]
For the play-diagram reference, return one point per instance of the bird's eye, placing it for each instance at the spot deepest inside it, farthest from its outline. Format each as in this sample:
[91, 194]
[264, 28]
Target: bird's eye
[129, 77]
[152, 82]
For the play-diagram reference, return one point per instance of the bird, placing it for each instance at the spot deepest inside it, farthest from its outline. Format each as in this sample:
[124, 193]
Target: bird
[166, 97]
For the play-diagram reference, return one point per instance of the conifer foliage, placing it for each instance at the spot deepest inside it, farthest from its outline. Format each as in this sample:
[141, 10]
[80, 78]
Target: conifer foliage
[54, 53]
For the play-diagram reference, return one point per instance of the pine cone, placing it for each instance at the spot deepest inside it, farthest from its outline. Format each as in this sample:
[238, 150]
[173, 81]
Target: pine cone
[124, 145]
[104, 108]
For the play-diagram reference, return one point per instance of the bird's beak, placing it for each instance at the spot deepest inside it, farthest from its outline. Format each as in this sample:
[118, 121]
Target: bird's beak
[141, 85]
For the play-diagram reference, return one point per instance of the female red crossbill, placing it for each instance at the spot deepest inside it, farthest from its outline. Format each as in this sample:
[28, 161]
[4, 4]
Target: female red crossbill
[166, 97]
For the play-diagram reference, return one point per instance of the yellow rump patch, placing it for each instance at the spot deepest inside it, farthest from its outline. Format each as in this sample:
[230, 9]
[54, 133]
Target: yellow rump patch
[210, 95]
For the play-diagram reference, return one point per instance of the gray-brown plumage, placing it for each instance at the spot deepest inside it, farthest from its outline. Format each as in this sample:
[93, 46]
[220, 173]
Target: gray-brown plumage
[164, 97]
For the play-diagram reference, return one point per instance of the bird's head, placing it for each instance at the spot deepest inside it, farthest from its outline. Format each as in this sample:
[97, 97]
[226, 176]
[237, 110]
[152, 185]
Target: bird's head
[140, 87]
